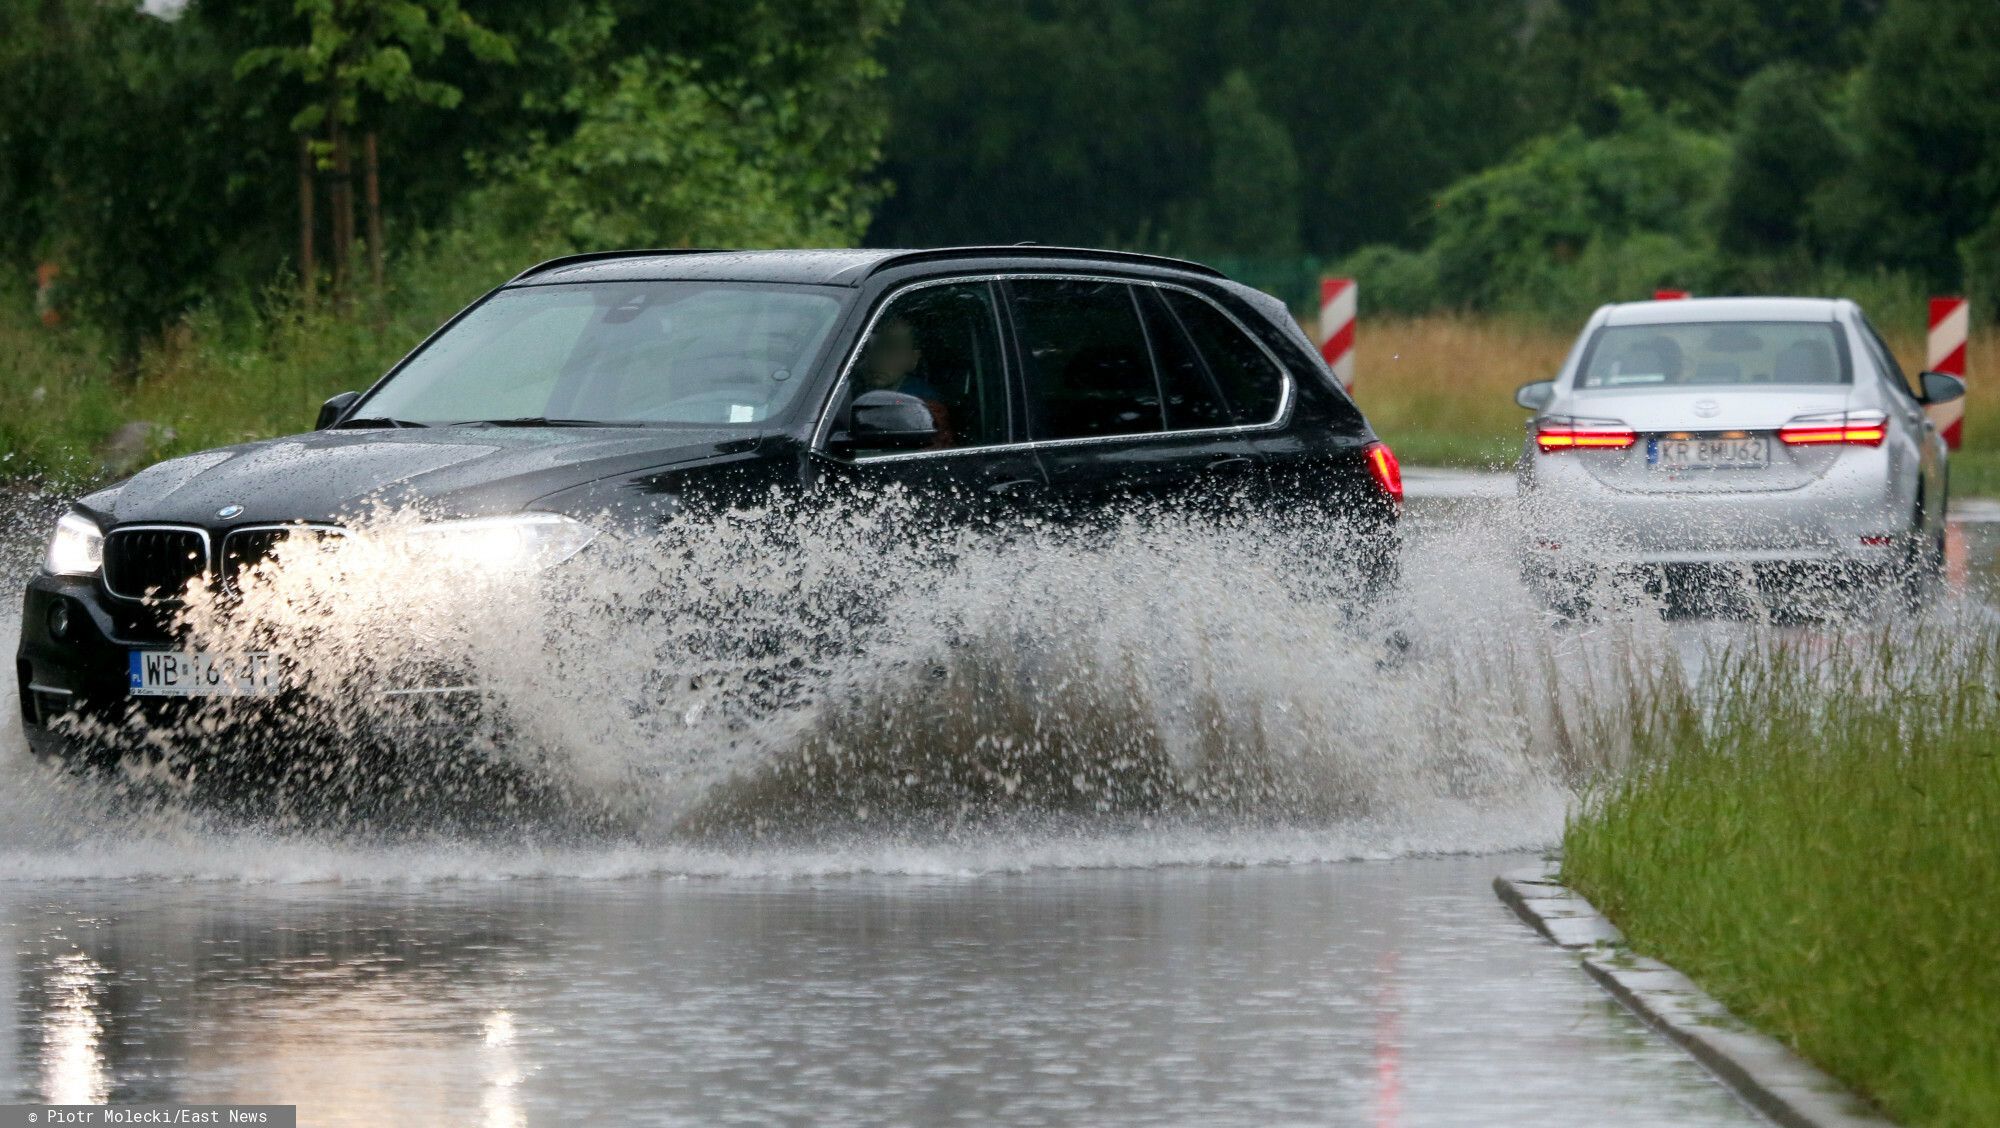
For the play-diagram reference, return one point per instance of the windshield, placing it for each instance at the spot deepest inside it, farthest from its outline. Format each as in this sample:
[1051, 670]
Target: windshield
[1743, 353]
[616, 352]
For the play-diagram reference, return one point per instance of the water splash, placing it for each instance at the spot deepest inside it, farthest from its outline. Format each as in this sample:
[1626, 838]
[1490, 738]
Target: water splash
[813, 690]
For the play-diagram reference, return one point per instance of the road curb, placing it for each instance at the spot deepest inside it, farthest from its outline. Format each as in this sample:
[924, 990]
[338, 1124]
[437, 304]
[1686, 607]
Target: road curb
[1763, 1071]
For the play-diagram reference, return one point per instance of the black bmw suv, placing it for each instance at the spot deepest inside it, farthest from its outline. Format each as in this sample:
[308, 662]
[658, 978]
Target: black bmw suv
[637, 387]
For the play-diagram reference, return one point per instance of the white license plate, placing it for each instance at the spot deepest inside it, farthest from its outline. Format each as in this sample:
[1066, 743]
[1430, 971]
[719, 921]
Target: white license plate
[183, 673]
[1708, 454]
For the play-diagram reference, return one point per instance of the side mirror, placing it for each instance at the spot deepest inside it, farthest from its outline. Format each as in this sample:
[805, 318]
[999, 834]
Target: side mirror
[885, 420]
[331, 411]
[1942, 387]
[1537, 395]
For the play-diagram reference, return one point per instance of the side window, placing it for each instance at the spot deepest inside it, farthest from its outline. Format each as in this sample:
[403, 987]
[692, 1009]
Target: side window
[1089, 373]
[1887, 360]
[1252, 385]
[1194, 400]
[942, 345]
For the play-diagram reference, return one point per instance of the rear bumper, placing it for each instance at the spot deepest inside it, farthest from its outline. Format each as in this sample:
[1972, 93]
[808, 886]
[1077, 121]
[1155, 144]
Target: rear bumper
[1855, 515]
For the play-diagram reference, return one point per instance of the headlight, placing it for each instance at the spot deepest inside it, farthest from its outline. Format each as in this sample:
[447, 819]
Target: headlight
[77, 549]
[526, 540]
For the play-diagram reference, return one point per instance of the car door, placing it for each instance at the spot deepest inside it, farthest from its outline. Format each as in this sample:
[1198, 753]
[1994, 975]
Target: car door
[942, 342]
[1114, 431]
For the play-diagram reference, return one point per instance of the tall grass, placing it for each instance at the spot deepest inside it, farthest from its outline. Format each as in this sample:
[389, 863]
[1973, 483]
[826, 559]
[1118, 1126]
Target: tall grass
[1440, 389]
[1819, 847]
[212, 379]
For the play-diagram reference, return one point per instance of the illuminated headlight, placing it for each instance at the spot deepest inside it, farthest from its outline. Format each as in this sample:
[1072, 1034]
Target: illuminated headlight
[77, 549]
[525, 540]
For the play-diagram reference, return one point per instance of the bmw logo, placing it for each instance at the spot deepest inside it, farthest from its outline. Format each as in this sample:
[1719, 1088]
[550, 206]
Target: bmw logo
[229, 511]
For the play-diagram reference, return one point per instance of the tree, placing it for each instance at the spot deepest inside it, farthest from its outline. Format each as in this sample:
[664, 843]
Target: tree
[356, 52]
[1508, 232]
[1250, 205]
[1694, 54]
[766, 143]
[1784, 150]
[1930, 125]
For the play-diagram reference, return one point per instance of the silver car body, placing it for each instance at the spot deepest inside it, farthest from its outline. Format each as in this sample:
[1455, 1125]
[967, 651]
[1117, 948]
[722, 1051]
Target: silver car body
[1840, 503]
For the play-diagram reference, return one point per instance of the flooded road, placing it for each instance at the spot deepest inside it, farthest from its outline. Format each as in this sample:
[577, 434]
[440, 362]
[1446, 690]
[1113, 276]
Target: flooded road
[1090, 966]
[1367, 993]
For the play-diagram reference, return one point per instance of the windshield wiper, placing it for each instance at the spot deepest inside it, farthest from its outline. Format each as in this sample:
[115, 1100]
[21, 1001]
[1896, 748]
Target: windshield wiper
[377, 421]
[539, 421]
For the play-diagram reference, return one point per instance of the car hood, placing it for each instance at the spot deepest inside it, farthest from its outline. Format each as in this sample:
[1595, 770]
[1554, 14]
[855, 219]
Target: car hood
[455, 471]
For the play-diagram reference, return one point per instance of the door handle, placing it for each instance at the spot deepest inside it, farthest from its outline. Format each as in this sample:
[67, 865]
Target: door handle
[1011, 486]
[1229, 462]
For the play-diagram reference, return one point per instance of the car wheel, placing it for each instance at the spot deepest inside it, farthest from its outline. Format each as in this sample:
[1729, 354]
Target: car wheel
[1923, 568]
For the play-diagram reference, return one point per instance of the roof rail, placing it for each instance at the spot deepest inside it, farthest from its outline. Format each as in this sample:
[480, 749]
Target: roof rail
[599, 256]
[1031, 250]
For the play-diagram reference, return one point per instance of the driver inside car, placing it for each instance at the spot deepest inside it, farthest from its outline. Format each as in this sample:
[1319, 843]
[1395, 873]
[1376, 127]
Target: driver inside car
[889, 363]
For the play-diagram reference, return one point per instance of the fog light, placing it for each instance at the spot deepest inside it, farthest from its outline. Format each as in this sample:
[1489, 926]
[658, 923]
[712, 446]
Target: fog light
[59, 620]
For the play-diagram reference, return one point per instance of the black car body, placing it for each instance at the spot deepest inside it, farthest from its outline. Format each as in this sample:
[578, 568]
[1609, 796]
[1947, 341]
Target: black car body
[1073, 382]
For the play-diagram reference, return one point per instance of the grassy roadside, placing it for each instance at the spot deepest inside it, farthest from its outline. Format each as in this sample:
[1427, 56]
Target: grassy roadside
[1820, 851]
[211, 380]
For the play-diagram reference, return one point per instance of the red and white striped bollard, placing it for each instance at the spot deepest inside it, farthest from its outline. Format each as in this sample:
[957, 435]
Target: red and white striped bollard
[1951, 318]
[1337, 310]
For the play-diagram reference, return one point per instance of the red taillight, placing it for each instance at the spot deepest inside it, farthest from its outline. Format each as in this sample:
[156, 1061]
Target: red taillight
[1554, 436]
[1820, 430]
[1382, 467]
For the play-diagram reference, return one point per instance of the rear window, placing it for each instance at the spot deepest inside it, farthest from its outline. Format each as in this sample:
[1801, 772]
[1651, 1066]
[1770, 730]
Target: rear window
[1251, 384]
[1715, 354]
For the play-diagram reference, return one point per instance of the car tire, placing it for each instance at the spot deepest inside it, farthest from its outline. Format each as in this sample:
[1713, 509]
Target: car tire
[1923, 566]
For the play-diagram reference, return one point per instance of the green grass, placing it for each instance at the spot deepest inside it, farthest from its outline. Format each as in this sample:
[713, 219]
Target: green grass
[1820, 849]
[213, 381]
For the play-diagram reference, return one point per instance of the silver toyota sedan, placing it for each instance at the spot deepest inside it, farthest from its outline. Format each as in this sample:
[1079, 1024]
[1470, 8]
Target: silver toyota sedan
[1733, 435]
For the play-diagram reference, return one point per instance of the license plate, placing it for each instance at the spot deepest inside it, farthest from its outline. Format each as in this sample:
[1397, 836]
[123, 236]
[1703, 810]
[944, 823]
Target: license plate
[1708, 454]
[182, 673]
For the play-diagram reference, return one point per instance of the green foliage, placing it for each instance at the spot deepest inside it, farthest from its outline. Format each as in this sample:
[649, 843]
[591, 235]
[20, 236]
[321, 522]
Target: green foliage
[1095, 121]
[1609, 212]
[1694, 54]
[666, 152]
[356, 47]
[1250, 204]
[1809, 845]
[1393, 280]
[141, 218]
[1785, 150]
[1929, 115]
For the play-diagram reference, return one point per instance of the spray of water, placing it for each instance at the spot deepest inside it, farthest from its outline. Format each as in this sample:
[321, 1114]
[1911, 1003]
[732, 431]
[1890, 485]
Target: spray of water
[796, 689]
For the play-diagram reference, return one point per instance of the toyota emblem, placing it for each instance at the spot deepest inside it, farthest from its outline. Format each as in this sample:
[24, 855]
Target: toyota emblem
[1707, 408]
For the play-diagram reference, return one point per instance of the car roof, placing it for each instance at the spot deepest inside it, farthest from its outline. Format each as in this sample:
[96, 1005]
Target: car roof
[1724, 309]
[829, 267]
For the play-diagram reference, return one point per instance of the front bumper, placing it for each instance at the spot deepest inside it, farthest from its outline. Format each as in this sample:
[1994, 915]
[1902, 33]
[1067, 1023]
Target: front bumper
[76, 701]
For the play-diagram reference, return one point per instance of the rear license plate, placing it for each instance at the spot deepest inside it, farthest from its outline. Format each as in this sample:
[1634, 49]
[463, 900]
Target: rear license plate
[181, 673]
[1708, 454]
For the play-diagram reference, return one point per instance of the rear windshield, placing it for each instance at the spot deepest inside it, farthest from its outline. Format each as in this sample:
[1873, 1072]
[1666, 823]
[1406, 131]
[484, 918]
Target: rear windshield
[1715, 353]
[621, 352]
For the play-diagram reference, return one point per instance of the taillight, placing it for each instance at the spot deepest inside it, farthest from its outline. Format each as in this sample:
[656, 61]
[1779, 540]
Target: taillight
[1556, 433]
[1382, 467]
[1862, 428]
